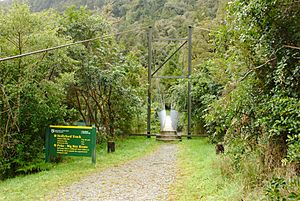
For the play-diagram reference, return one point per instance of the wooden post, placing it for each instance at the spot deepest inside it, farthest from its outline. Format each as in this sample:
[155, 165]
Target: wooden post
[93, 133]
[111, 147]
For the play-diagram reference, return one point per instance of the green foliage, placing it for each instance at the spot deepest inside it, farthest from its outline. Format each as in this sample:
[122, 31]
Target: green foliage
[293, 154]
[281, 189]
[31, 93]
[61, 5]
[257, 113]
[106, 88]
[260, 100]
[96, 82]
[245, 83]
[204, 91]
[280, 116]
[253, 104]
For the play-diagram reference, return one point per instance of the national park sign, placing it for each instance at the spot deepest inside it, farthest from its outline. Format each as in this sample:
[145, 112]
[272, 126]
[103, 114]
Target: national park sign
[70, 141]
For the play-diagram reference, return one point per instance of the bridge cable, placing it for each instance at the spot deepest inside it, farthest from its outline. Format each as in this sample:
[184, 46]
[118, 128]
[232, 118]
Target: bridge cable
[69, 44]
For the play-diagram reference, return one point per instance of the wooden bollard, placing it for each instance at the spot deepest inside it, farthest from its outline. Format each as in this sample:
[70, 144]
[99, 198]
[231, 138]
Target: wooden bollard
[111, 146]
[220, 148]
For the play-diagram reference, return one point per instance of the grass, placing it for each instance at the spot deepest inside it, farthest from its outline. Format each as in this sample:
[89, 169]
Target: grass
[39, 186]
[199, 176]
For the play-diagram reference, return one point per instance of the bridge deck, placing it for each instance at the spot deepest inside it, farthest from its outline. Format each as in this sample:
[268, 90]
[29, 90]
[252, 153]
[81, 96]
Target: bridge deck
[168, 133]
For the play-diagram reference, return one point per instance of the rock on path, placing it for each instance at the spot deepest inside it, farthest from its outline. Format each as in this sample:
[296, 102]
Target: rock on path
[147, 178]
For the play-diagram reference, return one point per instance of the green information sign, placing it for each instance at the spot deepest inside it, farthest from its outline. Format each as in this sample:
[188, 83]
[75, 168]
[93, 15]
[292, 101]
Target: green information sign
[71, 141]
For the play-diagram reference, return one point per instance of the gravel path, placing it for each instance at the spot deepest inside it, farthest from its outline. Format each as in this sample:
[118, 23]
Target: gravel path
[147, 178]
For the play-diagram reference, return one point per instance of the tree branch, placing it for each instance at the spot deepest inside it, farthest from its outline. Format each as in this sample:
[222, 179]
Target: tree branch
[292, 47]
[255, 68]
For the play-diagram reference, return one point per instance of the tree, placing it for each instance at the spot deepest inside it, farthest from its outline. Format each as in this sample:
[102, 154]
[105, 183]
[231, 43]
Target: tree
[106, 90]
[32, 89]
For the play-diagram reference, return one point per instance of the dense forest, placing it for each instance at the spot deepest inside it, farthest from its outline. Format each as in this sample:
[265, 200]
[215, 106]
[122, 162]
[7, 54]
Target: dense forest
[245, 79]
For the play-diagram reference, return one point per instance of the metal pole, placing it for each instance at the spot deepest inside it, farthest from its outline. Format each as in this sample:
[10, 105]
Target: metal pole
[149, 82]
[189, 135]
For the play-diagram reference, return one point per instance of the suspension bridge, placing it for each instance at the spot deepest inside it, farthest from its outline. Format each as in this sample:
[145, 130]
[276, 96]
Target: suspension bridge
[168, 123]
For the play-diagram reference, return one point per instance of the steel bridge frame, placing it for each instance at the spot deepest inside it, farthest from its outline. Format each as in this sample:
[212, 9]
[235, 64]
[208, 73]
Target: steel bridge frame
[151, 74]
[186, 41]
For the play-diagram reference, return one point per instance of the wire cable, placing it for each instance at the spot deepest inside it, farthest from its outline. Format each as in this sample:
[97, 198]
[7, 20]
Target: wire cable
[206, 29]
[69, 44]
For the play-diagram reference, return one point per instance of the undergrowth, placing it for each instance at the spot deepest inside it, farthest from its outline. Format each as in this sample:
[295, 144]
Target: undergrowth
[203, 175]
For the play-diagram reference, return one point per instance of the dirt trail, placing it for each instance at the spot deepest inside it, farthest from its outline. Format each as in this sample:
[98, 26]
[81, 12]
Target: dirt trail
[147, 178]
